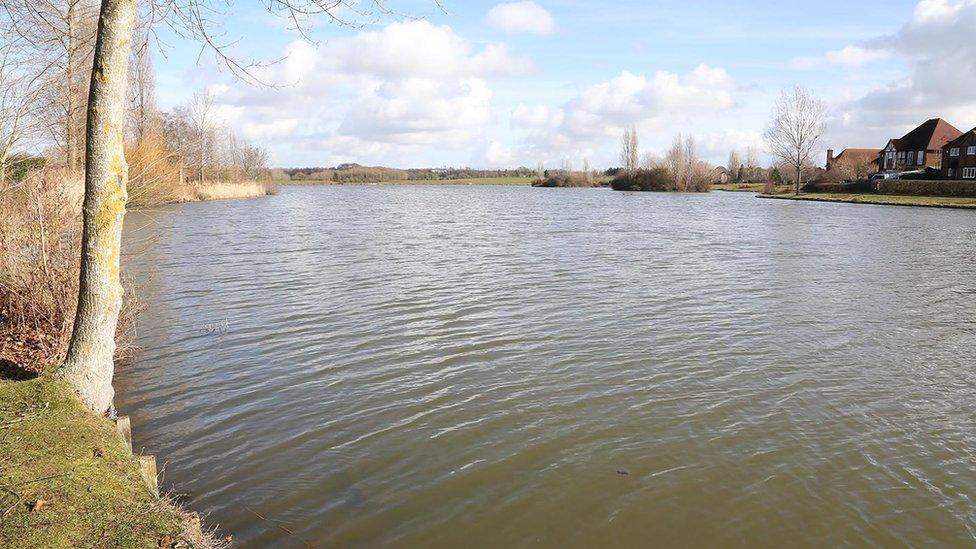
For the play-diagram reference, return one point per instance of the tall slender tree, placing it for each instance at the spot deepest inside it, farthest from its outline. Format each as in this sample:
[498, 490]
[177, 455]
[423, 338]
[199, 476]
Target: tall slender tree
[89, 362]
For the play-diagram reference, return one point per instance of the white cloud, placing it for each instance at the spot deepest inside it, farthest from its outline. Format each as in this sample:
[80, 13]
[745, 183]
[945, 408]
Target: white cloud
[374, 95]
[420, 112]
[942, 72]
[850, 56]
[599, 113]
[854, 56]
[521, 18]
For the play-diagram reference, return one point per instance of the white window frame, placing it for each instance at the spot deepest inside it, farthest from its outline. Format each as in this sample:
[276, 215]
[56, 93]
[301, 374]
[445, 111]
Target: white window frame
[921, 158]
[952, 172]
[954, 151]
[911, 157]
[970, 151]
[969, 173]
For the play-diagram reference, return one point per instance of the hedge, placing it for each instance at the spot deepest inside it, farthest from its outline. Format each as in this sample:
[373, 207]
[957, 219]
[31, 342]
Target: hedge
[919, 187]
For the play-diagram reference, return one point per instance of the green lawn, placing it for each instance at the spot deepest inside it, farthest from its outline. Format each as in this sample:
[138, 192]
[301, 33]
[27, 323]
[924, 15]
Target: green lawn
[67, 479]
[882, 199]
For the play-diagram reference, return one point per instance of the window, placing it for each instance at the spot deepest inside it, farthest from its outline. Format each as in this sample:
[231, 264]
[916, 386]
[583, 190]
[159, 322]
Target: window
[971, 151]
[921, 157]
[952, 172]
[969, 173]
[954, 151]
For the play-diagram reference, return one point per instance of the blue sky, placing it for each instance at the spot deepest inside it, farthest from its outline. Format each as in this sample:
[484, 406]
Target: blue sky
[493, 84]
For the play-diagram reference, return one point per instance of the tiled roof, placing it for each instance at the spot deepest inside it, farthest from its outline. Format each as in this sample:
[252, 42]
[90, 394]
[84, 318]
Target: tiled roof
[931, 135]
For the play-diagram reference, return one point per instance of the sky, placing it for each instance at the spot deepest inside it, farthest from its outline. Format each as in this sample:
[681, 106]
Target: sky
[506, 84]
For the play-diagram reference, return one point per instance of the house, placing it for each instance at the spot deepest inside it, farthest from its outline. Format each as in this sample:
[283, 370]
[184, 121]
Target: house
[852, 164]
[721, 175]
[919, 148]
[959, 157]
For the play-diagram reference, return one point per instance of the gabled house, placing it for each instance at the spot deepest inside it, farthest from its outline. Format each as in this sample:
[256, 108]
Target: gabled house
[919, 148]
[853, 160]
[959, 157]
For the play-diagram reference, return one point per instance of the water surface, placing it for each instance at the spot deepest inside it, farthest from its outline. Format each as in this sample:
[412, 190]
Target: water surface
[515, 367]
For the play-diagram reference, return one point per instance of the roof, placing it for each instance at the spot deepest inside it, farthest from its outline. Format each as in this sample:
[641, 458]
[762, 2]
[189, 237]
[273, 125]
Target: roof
[858, 155]
[931, 135]
[960, 138]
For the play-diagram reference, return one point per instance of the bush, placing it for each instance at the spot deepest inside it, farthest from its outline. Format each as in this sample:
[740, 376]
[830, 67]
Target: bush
[860, 186]
[919, 187]
[40, 235]
[660, 179]
[565, 179]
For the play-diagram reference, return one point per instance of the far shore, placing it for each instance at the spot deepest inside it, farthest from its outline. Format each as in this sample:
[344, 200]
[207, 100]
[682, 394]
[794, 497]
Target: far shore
[510, 181]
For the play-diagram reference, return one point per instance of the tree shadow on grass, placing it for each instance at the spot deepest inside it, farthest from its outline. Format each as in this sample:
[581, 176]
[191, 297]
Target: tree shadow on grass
[11, 371]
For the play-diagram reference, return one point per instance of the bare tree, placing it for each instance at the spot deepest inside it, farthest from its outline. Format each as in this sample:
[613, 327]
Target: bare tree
[630, 149]
[798, 123]
[752, 169]
[89, 362]
[204, 123]
[734, 164]
[20, 80]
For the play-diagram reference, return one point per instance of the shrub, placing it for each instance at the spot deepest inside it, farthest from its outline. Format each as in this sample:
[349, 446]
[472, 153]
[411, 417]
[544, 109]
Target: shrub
[919, 187]
[564, 179]
[659, 178]
[860, 186]
[40, 235]
[649, 179]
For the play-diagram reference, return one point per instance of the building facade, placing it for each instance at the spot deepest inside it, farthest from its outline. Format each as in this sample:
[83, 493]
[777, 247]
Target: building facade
[918, 149]
[959, 157]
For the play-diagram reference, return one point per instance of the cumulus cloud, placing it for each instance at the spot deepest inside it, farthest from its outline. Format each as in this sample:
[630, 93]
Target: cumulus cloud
[409, 84]
[600, 112]
[521, 18]
[420, 112]
[942, 72]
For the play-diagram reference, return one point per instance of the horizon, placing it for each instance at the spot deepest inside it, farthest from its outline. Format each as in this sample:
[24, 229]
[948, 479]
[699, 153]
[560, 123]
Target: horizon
[493, 85]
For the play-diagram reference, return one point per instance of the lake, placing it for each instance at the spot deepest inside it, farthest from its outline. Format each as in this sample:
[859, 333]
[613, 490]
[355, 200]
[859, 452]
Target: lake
[363, 366]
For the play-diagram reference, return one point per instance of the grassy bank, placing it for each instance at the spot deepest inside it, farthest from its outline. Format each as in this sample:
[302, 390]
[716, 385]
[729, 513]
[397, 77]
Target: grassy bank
[67, 478]
[882, 199]
[513, 181]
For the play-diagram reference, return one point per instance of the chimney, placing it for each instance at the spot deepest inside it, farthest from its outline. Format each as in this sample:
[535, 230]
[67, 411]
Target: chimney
[830, 157]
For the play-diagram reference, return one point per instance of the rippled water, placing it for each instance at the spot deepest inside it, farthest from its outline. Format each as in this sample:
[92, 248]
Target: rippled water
[494, 366]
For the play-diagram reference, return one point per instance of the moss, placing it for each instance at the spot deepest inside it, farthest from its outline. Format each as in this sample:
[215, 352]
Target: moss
[53, 450]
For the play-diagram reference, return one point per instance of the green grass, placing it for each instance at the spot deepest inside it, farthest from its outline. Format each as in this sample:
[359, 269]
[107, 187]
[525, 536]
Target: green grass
[49, 450]
[883, 199]
[525, 181]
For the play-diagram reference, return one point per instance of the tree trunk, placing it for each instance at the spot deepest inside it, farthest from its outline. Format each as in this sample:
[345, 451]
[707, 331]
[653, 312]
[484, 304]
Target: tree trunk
[798, 171]
[89, 363]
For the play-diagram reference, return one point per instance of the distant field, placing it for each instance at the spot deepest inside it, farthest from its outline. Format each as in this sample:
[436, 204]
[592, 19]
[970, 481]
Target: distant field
[475, 181]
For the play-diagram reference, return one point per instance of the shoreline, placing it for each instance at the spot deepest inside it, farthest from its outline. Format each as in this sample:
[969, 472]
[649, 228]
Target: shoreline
[880, 200]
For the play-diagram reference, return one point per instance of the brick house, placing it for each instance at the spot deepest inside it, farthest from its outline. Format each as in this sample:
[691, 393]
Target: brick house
[918, 149]
[959, 157]
[853, 160]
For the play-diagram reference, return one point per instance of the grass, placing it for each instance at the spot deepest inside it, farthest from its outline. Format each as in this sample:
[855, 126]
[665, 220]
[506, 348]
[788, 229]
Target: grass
[513, 181]
[67, 479]
[883, 199]
[226, 191]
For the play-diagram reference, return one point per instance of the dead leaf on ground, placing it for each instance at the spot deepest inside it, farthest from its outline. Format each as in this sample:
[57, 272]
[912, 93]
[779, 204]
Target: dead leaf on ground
[166, 542]
[37, 505]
